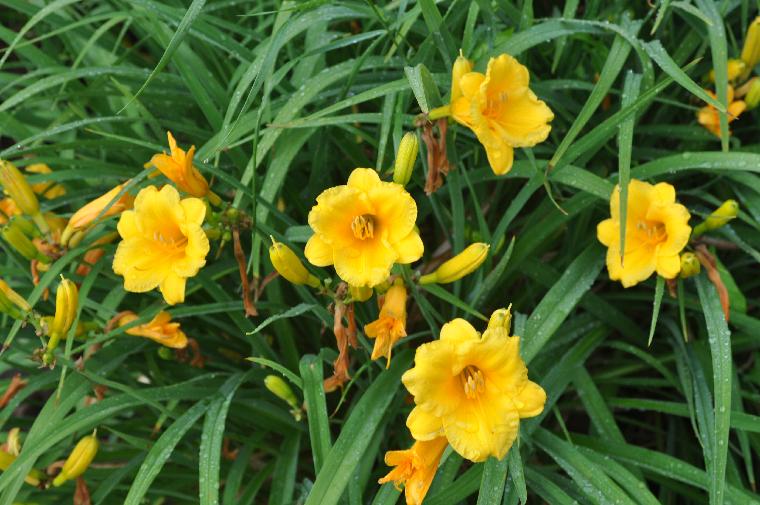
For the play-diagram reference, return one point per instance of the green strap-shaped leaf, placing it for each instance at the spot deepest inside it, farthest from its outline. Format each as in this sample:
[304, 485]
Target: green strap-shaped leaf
[719, 338]
[316, 409]
[357, 432]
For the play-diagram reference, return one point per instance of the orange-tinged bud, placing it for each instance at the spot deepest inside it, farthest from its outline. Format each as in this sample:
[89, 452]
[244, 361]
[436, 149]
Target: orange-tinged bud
[460, 265]
[16, 186]
[736, 68]
[15, 298]
[102, 207]
[79, 459]
[289, 266]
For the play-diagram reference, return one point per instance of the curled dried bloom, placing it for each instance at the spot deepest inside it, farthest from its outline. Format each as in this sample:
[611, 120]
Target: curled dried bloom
[709, 117]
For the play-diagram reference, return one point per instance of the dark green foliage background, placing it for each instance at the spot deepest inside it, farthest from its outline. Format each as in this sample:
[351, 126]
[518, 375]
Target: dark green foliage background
[283, 100]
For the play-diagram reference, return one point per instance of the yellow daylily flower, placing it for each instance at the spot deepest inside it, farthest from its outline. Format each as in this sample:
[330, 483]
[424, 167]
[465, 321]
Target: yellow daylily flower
[390, 326]
[363, 228]
[500, 109]
[178, 168]
[472, 389]
[163, 243]
[415, 468]
[46, 189]
[657, 229]
[160, 329]
[709, 117]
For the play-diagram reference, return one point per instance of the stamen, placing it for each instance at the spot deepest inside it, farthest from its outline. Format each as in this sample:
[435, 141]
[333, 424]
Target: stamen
[472, 380]
[363, 226]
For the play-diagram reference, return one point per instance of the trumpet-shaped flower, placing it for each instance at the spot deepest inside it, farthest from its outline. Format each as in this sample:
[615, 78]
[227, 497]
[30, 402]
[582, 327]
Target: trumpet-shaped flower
[391, 325]
[709, 117]
[500, 109]
[160, 329]
[657, 229]
[163, 243]
[178, 168]
[472, 389]
[363, 228]
[415, 468]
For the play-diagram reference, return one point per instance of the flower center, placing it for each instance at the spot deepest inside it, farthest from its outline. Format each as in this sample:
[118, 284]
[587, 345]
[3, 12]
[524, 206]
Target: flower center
[363, 226]
[652, 232]
[494, 104]
[472, 381]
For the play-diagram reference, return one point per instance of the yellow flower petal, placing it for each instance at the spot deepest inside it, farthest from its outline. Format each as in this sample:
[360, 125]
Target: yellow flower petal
[318, 252]
[409, 248]
[669, 266]
[607, 231]
[173, 289]
[458, 331]
[423, 425]
[530, 401]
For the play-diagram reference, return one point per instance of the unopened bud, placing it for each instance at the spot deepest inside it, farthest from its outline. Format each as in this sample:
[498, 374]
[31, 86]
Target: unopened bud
[16, 186]
[720, 216]
[405, 158]
[289, 266]
[752, 98]
[360, 293]
[14, 235]
[15, 298]
[13, 442]
[66, 306]
[689, 265]
[102, 207]
[278, 387]
[79, 459]
[461, 67]
[460, 265]
[736, 68]
[501, 318]
[751, 50]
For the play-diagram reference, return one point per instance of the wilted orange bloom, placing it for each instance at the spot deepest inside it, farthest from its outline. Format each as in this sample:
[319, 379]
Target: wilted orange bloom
[415, 468]
[709, 117]
[160, 329]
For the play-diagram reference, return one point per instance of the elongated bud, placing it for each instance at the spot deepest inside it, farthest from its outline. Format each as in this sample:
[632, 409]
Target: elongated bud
[501, 318]
[278, 387]
[15, 298]
[289, 266]
[15, 184]
[405, 158]
[736, 68]
[752, 98]
[460, 265]
[720, 216]
[79, 459]
[102, 207]
[14, 235]
[461, 67]
[689, 265]
[66, 305]
[751, 49]
[360, 293]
